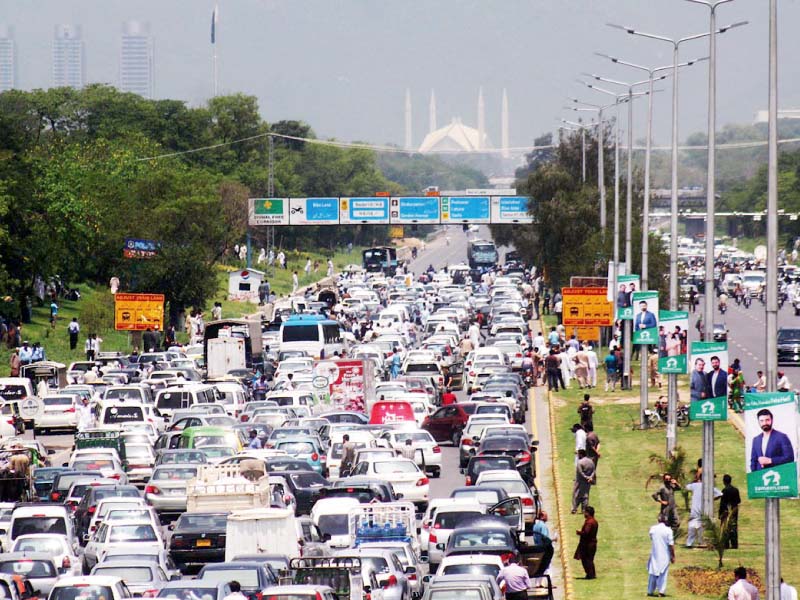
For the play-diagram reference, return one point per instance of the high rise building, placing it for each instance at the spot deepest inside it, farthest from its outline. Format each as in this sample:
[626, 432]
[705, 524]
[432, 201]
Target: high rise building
[8, 59]
[136, 60]
[68, 57]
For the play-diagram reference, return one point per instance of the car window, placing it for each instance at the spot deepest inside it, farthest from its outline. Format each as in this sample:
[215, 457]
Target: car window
[133, 533]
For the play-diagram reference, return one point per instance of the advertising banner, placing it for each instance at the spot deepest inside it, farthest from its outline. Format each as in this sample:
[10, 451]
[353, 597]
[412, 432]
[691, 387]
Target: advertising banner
[708, 381]
[673, 329]
[627, 285]
[645, 320]
[268, 211]
[770, 422]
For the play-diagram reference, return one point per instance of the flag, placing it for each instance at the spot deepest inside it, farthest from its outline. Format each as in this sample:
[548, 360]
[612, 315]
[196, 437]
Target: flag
[214, 21]
[270, 206]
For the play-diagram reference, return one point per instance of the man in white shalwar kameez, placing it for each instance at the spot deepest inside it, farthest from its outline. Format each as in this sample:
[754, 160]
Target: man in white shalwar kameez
[662, 554]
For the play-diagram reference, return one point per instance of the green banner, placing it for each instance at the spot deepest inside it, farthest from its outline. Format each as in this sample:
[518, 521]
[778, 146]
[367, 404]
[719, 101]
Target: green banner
[767, 399]
[672, 364]
[712, 409]
[627, 284]
[775, 482]
[673, 315]
[645, 317]
[708, 347]
[645, 336]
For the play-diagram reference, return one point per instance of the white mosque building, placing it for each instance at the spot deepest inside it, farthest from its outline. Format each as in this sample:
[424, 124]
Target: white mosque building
[456, 136]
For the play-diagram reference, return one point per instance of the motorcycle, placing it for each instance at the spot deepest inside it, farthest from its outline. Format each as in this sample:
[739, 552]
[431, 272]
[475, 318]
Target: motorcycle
[660, 415]
[722, 307]
[746, 301]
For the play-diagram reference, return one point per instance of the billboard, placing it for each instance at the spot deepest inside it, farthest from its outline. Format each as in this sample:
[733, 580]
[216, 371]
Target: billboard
[708, 381]
[623, 296]
[268, 211]
[645, 319]
[313, 211]
[465, 209]
[136, 248]
[364, 211]
[673, 325]
[770, 424]
[510, 209]
[138, 312]
[586, 306]
[412, 210]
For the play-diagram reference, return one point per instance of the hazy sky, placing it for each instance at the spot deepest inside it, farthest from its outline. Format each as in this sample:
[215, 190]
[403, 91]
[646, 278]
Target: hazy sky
[343, 65]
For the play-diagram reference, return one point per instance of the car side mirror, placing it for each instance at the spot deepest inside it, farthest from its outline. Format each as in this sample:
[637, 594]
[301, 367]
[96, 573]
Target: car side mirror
[175, 577]
[64, 464]
[440, 546]
[86, 537]
[424, 559]
[171, 526]
[427, 579]
[410, 570]
[51, 451]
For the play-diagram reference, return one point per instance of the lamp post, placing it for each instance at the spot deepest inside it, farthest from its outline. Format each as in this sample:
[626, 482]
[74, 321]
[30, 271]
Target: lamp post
[651, 73]
[672, 379]
[711, 191]
[626, 344]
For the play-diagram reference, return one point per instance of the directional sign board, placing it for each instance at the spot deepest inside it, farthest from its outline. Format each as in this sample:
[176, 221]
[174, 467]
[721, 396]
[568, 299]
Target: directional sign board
[412, 210]
[365, 211]
[268, 211]
[465, 209]
[313, 211]
[586, 306]
[138, 312]
[510, 209]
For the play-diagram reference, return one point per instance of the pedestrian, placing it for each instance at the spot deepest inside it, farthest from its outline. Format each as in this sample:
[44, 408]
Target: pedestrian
[783, 384]
[665, 496]
[536, 302]
[282, 259]
[72, 329]
[612, 370]
[88, 347]
[581, 360]
[736, 384]
[254, 443]
[295, 282]
[593, 450]
[584, 479]
[330, 267]
[787, 591]
[662, 554]
[85, 415]
[761, 382]
[516, 579]
[236, 592]
[695, 533]
[216, 312]
[729, 512]
[586, 413]
[741, 588]
[25, 353]
[407, 450]
[15, 363]
[348, 455]
[580, 439]
[449, 397]
[53, 314]
[307, 268]
[652, 369]
[587, 542]
[593, 364]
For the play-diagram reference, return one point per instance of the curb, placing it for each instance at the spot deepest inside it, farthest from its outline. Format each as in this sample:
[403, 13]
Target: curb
[569, 592]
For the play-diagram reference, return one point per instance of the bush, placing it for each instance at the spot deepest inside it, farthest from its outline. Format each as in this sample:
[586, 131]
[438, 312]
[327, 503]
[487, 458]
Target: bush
[97, 313]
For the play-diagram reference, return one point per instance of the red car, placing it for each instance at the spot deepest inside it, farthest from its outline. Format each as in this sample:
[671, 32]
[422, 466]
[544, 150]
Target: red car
[447, 423]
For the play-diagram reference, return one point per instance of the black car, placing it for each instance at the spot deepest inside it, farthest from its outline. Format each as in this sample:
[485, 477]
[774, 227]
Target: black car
[88, 504]
[43, 479]
[254, 576]
[788, 346]
[306, 487]
[489, 462]
[280, 464]
[347, 486]
[197, 539]
[516, 448]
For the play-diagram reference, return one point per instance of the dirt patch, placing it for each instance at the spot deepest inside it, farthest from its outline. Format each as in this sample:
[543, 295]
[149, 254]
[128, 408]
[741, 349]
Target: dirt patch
[711, 582]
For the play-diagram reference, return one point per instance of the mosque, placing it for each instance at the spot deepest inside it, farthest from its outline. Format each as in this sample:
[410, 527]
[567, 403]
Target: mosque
[456, 136]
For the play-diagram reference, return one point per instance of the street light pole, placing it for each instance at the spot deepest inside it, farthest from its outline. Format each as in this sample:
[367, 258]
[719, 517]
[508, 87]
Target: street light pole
[708, 426]
[772, 529]
[674, 301]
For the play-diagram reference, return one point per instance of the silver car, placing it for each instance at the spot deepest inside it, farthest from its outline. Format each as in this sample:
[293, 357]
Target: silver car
[37, 567]
[140, 575]
[166, 490]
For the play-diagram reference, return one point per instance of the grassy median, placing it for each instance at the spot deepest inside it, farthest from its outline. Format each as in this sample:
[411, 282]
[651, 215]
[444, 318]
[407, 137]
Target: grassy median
[626, 511]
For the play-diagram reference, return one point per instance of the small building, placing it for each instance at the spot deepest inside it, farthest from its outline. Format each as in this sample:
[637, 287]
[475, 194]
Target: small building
[243, 285]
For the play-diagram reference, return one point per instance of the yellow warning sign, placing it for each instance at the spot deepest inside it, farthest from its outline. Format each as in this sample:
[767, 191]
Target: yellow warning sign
[137, 312]
[396, 232]
[587, 306]
[586, 334]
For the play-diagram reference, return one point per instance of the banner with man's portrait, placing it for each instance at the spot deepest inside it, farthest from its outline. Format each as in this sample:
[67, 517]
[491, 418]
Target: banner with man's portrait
[770, 425]
[708, 381]
[645, 318]
[627, 285]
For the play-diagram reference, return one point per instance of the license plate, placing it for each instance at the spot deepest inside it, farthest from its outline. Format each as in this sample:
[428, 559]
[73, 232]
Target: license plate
[203, 543]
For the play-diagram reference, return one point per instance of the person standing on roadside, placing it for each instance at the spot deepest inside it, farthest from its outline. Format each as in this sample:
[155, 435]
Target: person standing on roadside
[742, 589]
[662, 555]
[729, 511]
[516, 579]
[348, 455]
[587, 542]
[552, 366]
[586, 413]
[15, 363]
[584, 479]
[72, 329]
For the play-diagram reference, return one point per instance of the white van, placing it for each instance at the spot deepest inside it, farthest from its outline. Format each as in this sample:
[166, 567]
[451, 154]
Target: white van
[292, 398]
[331, 518]
[173, 398]
[39, 518]
[120, 413]
[232, 395]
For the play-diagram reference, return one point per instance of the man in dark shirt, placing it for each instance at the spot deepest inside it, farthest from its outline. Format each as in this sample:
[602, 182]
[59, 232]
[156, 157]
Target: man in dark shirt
[552, 365]
[729, 509]
[586, 412]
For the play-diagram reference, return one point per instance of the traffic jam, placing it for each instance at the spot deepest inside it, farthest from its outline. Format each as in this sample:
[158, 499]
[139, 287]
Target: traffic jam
[366, 442]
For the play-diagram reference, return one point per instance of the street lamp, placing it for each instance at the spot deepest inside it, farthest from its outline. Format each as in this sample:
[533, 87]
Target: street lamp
[711, 190]
[672, 379]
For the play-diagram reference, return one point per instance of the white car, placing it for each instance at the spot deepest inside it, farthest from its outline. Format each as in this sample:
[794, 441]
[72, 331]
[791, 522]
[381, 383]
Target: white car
[104, 505]
[94, 586]
[444, 521]
[469, 564]
[429, 453]
[515, 487]
[331, 517]
[405, 476]
[140, 463]
[110, 535]
[58, 547]
[59, 411]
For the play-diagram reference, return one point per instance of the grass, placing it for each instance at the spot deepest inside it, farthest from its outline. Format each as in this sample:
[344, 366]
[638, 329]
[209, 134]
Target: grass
[56, 341]
[626, 511]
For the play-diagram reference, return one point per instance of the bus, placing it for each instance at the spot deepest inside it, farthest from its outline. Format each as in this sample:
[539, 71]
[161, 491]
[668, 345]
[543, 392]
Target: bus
[247, 329]
[482, 254]
[318, 336]
[381, 259]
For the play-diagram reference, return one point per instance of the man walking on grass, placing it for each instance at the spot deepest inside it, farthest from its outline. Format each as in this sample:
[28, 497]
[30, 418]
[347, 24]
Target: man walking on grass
[662, 554]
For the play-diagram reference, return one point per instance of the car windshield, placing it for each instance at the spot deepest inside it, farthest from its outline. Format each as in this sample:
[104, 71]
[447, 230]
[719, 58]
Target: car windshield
[375, 564]
[128, 514]
[188, 593]
[414, 436]
[789, 335]
[182, 457]
[218, 452]
[175, 473]
[310, 479]
[83, 592]
[133, 533]
[395, 467]
[129, 574]
[296, 447]
[28, 568]
[48, 545]
[333, 524]
[57, 400]
[485, 569]
[511, 486]
[24, 525]
[482, 496]
[465, 539]
[451, 520]
[248, 578]
[93, 464]
[206, 522]
[492, 409]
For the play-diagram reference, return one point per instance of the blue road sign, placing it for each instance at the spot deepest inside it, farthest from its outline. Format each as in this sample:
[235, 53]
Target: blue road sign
[372, 211]
[510, 209]
[465, 209]
[313, 211]
[412, 210]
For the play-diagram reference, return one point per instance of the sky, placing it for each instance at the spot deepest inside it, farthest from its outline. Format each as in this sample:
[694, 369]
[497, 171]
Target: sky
[343, 65]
